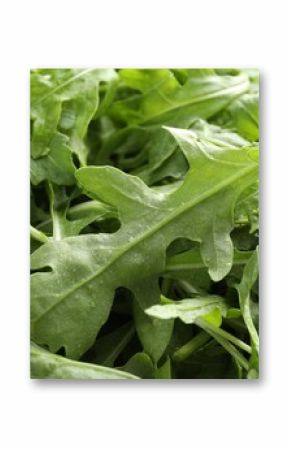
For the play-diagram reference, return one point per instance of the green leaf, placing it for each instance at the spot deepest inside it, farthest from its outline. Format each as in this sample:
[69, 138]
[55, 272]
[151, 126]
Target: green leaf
[249, 278]
[65, 100]
[140, 365]
[57, 166]
[189, 310]
[217, 135]
[242, 115]
[161, 96]
[207, 313]
[86, 270]
[247, 208]
[153, 334]
[148, 151]
[158, 155]
[45, 365]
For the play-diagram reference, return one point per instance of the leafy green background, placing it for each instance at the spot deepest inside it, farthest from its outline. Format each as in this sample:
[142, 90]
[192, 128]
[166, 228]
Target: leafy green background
[144, 223]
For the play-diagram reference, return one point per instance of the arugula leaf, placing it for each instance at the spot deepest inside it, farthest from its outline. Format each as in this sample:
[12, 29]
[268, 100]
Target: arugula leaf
[157, 156]
[244, 289]
[161, 96]
[207, 313]
[45, 365]
[57, 166]
[243, 116]
[140, 365]
[247, 208]
[154, 334]
[188, 310]
[82, 266]
[64, 99]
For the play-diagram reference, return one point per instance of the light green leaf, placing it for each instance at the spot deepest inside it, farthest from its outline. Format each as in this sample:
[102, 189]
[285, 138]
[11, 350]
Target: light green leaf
[45, 365]
[189, 310]
[242, 115]
[161, 96]
[217, 135]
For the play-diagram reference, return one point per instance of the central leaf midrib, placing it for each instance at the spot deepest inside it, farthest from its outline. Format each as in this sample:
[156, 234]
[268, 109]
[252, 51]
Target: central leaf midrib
[149, 233]
[215, 94]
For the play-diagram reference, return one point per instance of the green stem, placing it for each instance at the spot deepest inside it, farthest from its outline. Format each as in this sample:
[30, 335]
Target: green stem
[191, 346]
[224, 334]
[227, 346]
[191, 260]
[79, 210]
[35, 234]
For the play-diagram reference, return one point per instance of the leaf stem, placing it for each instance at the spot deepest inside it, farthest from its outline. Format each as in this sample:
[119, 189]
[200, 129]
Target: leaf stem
[226, 345]
[224, 334]
[191, 346]
[35, 234]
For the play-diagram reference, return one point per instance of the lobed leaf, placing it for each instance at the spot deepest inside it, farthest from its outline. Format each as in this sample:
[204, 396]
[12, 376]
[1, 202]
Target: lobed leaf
[86, 270]
[45, 365]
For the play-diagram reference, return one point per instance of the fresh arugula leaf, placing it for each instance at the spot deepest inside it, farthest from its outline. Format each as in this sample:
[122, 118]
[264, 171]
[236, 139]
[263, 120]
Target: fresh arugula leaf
[139, 365]
[242, 115]
[247, 208]
[57, 166]
[154, 334]
[45, 365]
[244, 289]
[161, 96]
[188, 310]
[150, 221]
[64, 100]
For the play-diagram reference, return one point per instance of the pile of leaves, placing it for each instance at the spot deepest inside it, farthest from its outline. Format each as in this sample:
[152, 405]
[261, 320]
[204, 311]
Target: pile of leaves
[144, 223]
